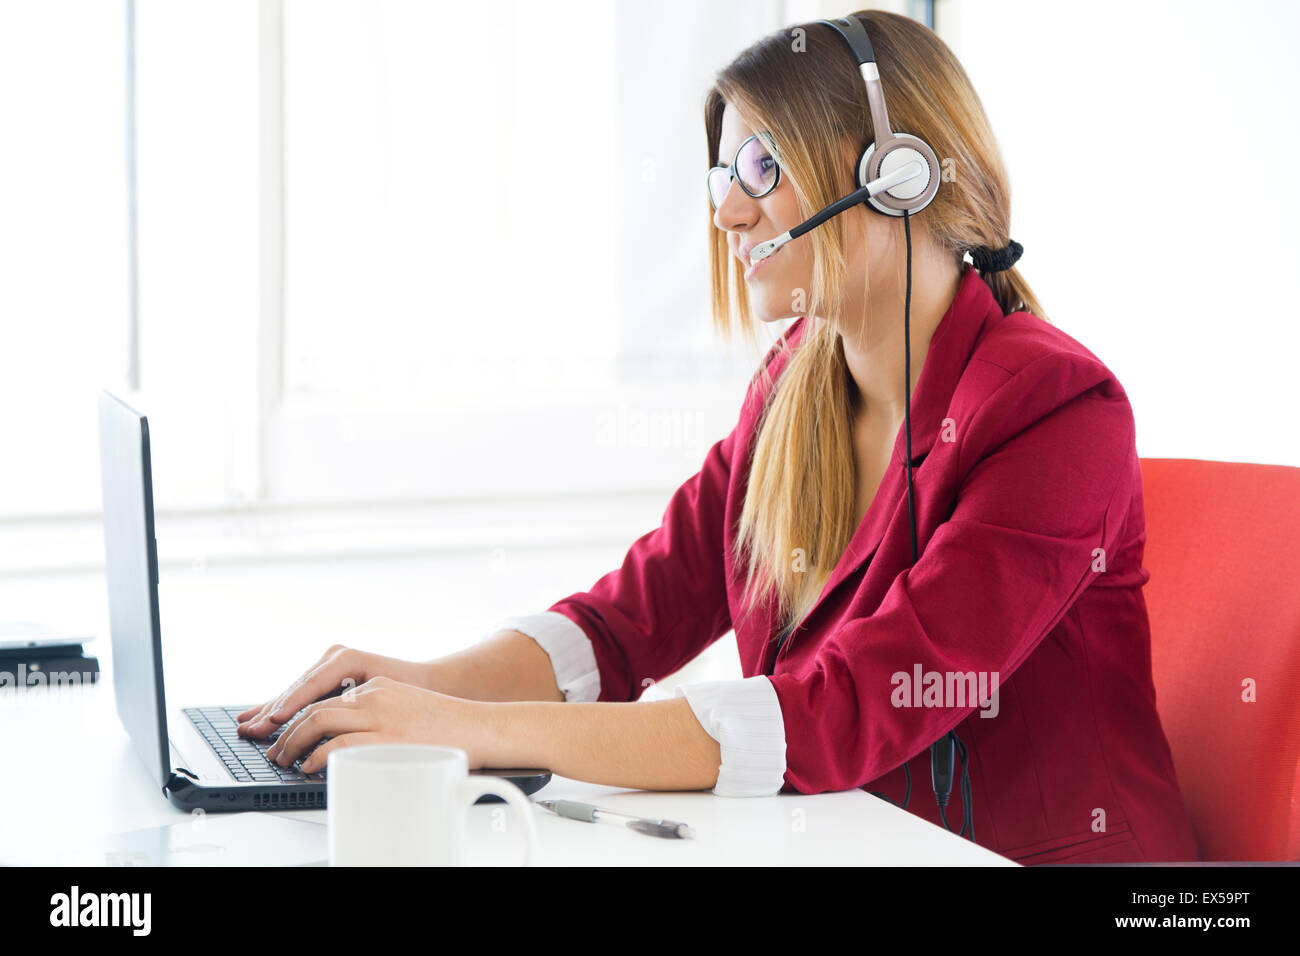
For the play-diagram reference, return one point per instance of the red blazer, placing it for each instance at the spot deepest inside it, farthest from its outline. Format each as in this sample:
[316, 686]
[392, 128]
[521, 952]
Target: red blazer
[1024, 465]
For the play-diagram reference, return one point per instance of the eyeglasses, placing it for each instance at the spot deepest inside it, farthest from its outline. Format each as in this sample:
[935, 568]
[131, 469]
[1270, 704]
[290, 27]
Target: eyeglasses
[754, 168]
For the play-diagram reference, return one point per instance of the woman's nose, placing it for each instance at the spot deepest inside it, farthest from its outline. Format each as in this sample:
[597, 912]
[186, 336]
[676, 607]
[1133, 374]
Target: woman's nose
[737, 212]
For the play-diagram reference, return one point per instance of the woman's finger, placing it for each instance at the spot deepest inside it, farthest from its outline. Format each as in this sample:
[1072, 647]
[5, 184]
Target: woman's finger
[318, 758]
[273, 751]
[259, 712]
[261, 723]
[255, 709]
[327, 719]
[324, 678]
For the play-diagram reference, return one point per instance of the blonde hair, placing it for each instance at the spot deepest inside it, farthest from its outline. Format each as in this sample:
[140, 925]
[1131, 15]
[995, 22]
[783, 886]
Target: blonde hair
[802, 481]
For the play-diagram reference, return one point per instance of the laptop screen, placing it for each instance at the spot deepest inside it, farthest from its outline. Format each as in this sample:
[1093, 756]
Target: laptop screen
[131, 567]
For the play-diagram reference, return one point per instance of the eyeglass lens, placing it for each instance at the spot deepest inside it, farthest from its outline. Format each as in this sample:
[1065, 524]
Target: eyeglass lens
[755, 168]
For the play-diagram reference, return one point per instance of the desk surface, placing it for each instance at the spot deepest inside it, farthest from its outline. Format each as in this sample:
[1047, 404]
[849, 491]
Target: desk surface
[71, 773]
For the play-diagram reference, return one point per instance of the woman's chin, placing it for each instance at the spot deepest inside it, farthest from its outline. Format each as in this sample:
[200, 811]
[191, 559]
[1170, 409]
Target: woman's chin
[772, 296]
[770, 311]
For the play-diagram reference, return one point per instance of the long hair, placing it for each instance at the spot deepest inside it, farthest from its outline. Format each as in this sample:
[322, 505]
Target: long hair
[803, 86]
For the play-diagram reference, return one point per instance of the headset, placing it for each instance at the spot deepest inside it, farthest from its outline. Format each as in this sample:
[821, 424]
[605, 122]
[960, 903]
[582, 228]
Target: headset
[897, 175]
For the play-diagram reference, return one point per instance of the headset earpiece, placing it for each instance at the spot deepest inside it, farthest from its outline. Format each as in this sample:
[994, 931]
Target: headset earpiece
[911, 196]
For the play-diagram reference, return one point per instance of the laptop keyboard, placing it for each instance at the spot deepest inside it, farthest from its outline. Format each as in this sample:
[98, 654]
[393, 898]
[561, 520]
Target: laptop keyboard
[245, 758]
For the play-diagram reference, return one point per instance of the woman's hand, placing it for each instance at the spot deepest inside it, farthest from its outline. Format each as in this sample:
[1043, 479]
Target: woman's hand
[338, 670]
[384, 711]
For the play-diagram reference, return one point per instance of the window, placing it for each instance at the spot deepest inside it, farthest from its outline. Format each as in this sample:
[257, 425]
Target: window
[383, 250]
[327, 281]
[63, 282]
[495, 274]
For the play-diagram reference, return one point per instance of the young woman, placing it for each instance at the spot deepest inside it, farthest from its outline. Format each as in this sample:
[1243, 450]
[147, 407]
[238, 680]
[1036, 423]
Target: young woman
[1020, 627]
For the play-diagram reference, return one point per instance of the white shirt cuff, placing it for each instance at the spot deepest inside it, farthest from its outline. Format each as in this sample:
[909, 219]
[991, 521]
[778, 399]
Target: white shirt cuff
[569, 648]
[744, 717]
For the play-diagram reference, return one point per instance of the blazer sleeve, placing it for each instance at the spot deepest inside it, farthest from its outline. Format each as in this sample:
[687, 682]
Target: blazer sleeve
[1049, 467]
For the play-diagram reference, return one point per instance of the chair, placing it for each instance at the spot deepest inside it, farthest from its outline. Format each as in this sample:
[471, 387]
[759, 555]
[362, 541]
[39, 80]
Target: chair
[1223, 550]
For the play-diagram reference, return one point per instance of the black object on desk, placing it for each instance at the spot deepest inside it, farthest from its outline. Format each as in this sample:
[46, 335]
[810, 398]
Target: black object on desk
[50, 665]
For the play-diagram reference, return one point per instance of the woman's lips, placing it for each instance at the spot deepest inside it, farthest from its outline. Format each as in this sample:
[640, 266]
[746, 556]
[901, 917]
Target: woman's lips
[760, 263]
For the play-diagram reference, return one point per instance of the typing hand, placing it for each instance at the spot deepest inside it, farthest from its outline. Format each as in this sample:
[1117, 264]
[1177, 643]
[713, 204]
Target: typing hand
[385, 711]
[338, 672]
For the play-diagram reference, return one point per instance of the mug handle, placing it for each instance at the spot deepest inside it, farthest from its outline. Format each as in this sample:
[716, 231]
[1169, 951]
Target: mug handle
[471, 788]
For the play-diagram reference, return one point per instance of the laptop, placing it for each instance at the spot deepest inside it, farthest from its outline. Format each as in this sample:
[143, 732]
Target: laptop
[195, 755]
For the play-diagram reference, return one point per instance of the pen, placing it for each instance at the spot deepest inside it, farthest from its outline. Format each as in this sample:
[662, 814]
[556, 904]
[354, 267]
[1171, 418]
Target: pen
[669, 829]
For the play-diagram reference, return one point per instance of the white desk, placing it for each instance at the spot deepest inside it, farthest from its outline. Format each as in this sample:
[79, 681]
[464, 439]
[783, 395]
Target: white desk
[69, 771]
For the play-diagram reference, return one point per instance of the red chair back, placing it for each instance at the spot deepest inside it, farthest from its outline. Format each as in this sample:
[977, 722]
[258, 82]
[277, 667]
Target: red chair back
[1223, 550]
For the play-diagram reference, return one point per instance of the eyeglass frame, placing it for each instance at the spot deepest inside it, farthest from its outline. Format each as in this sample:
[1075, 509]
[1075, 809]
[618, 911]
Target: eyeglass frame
[766, 141]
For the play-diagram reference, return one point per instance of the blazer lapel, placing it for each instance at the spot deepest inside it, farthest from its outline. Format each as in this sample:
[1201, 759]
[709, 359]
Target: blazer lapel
[949, 352]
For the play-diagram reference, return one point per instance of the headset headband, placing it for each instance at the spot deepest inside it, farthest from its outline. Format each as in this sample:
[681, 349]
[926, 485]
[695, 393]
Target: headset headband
[855, 34]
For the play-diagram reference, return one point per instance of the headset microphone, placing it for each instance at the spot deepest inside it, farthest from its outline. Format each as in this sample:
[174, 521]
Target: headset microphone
[903, 174]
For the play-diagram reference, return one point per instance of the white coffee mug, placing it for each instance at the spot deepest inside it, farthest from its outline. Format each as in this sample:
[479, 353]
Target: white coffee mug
[406, 805]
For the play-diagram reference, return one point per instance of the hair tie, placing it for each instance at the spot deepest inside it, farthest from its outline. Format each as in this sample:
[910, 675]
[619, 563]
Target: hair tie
[987, 260]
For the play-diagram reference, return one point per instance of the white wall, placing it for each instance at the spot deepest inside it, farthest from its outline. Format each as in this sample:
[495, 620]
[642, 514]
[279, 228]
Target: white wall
[1151, 149]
